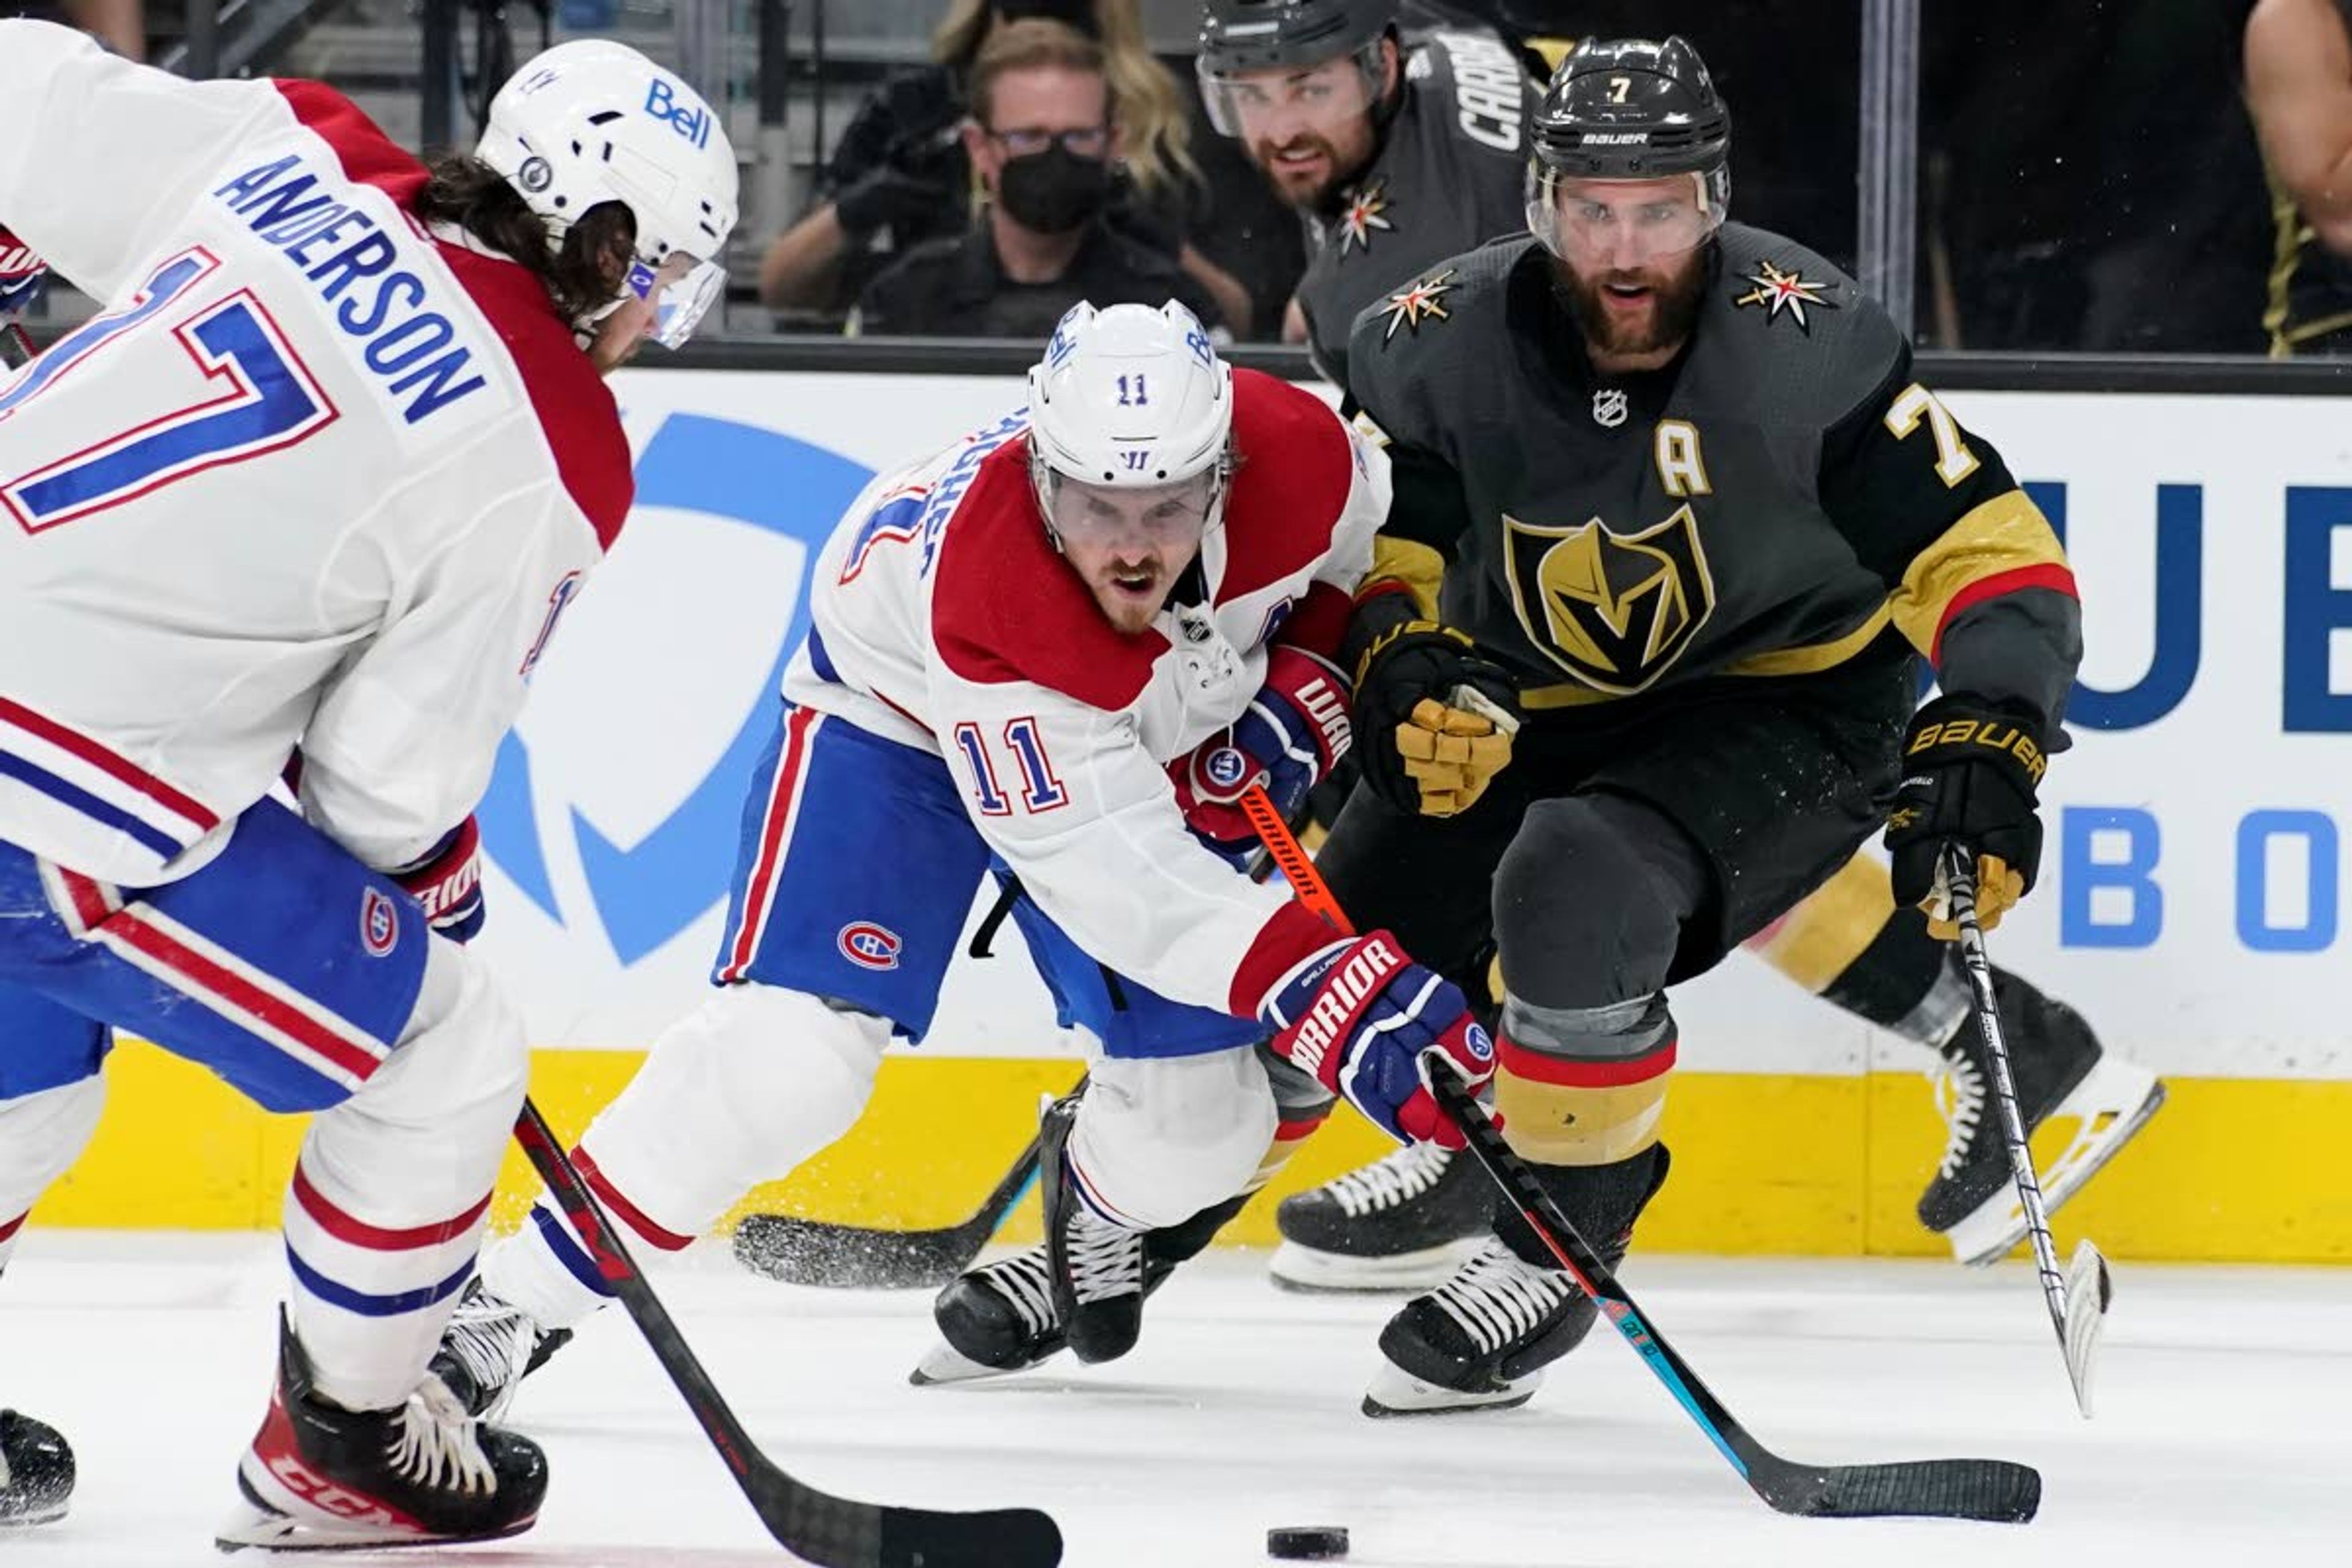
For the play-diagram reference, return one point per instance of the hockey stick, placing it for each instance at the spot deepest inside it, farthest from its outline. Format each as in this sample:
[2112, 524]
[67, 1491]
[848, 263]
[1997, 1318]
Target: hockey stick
[1992, 1490]
[2078, 1300]
[832, 1531]
[820, 1252]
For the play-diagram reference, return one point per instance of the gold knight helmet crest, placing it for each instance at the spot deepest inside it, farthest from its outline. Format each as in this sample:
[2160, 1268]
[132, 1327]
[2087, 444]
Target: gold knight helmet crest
[1615, 610]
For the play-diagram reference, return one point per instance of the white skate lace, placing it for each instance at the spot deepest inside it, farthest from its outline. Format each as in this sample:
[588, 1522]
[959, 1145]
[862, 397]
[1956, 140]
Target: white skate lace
[1106, 1259]
[1394, 1179]
[439, 1443]
[1022, 1280]
[1959, 1090]
[492, 1340]
[1498, 1297]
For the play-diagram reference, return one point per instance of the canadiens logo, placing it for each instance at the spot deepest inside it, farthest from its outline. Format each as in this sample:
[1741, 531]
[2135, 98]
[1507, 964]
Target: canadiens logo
[1776, 291]
[379, 924]
[870, 946]
[1423, 301]
[1613, 610]
[1367, 210]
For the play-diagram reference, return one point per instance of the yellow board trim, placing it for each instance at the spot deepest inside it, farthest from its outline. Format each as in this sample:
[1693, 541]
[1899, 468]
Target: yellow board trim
[2003, 534]
[1763, 1163]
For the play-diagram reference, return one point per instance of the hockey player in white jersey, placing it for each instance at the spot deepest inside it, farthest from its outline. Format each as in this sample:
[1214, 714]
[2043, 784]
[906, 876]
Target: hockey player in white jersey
[1063, 646]
[312, 488]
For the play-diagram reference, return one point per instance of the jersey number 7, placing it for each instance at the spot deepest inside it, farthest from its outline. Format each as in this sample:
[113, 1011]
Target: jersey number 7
[257, 396]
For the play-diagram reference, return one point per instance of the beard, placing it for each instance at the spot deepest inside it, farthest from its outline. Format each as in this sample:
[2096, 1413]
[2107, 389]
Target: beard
[1321, 196]
[1675, 295]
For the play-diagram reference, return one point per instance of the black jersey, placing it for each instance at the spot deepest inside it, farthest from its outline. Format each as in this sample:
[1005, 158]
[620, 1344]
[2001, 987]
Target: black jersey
[1768, 503]
[1451, 173]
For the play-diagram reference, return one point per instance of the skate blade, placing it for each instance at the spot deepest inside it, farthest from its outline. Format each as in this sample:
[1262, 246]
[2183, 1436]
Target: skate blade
[944, 1365]
[1394, 1393]
[1310, 1271]
[2109, 1108]
[253, 1529]
[48, 1513]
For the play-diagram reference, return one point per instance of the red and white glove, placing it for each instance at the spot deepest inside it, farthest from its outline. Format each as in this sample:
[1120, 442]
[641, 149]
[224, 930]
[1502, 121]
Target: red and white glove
[21, 272]
[448, 883]
[1368, 1022]
[1292, 735]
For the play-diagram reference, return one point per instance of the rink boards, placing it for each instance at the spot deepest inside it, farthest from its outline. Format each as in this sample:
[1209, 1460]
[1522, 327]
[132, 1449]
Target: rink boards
[2193, 901]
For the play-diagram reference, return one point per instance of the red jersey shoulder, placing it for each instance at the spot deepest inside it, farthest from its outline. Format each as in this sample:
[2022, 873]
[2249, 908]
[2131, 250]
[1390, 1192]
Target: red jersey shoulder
[1295, 467]
[1007, 607]
[369, 157]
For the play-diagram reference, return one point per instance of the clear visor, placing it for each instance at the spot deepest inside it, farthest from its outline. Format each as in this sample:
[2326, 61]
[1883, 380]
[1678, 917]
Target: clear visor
[1280, 104]
[1165, 517]
[680, 289]
[1621, 223]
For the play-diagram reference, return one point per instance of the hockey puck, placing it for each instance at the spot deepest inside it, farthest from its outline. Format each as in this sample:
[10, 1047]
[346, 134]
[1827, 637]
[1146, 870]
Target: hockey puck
[1308, 1543]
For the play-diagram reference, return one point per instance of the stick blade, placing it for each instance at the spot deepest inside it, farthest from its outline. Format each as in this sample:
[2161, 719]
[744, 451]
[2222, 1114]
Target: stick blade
[999, 1538]
[850, 1257]
[1998, 1492]
[2090, 1290]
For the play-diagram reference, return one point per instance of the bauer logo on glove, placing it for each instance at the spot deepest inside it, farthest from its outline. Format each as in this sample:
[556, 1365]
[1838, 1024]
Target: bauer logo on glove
[1971, 772]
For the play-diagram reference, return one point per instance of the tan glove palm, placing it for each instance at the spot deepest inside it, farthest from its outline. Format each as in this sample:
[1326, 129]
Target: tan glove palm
[1452, 754]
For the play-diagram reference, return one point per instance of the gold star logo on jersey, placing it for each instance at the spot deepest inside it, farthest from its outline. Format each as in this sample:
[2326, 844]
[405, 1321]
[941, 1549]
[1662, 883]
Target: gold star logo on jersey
[1776, 291]
[1615, 610]
[1364, 213]
[1424, 302]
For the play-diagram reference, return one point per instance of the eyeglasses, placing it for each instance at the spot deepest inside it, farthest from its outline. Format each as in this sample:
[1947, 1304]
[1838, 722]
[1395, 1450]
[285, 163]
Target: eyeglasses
[1022, 142]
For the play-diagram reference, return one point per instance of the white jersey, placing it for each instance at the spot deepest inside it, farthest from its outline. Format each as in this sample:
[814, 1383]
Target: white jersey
[315, 478]
[943, 618]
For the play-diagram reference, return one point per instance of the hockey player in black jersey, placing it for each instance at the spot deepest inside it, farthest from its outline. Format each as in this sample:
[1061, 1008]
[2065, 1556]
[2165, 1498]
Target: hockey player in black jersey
[1669, 492]
[1397, 145]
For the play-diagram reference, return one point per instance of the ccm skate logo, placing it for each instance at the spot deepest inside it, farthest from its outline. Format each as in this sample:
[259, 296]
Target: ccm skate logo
[870, 946]
[327, 1497]
[1343, 996]
[694, 124]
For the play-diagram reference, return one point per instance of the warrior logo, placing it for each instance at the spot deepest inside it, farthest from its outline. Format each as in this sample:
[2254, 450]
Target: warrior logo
[1613, 610]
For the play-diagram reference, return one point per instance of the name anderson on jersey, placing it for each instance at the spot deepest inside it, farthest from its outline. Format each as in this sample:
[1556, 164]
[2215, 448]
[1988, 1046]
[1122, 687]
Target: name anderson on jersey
[334, 244]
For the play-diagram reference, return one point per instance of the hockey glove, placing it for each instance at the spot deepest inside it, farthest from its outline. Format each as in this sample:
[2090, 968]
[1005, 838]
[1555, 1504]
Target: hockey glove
[1360, 1016]
[1293, 734]
[448, 883]
[1969, 773]
[890, 198]
[1447, 712]
[21, 272]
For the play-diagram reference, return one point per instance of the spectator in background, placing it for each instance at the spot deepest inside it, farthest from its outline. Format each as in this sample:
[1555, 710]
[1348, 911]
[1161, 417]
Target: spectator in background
[900, 173]
[119, 25]
[2298, 71]
[1040, 141]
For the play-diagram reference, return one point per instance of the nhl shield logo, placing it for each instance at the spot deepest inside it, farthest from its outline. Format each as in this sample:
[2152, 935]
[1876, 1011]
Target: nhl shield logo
[1613, 610]
[1608, 408]
[379, 924]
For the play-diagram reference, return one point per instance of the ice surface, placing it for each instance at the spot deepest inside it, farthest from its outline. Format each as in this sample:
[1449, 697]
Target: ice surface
[2224, 1396]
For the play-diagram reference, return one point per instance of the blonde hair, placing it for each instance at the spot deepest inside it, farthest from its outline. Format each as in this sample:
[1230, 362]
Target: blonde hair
[1147, 103]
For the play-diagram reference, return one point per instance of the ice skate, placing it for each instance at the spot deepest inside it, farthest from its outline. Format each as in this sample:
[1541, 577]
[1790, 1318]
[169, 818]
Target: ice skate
[1401, 1223]
[37, 1471]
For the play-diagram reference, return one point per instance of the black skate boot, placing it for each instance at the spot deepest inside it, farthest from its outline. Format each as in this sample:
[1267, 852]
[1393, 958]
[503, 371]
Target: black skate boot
[423, 1473]
[2060, 1071]
[1481, 1340]
[1095, 1264]
[1400, 1223]
[1001, 1318]
[37, 1471]
[489, 1346]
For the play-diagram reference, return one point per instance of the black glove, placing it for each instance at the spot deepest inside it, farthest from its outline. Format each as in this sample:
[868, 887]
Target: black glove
[1969, 773]
[1436, 718]
[890, 196]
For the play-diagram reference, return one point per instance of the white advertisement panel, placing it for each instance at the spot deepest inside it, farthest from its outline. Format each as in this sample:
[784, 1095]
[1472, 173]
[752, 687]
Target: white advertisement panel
[2191, 896]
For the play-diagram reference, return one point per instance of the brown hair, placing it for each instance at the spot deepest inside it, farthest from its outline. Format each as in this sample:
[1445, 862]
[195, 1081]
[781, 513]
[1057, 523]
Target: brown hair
[581, 276]
[1147, 103]
[1031, 45]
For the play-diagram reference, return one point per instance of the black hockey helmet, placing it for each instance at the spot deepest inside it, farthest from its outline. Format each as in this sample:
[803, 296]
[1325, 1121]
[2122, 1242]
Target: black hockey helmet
[1239, 35]
[1628, 108]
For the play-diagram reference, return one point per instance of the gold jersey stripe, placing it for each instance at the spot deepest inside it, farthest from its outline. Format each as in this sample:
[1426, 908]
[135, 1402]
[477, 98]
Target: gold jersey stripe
[1807, 659]
[1421, 569]
[2004, 534]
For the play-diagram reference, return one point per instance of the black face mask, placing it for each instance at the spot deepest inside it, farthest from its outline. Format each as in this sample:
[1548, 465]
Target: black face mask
[1055, 191]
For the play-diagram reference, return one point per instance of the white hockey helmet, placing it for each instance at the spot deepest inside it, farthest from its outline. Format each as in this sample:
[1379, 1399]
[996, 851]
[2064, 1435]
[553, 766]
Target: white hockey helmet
[1130, 397]
[593, 121]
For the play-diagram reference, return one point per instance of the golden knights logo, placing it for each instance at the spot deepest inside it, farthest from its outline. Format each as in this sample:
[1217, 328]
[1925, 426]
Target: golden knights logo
[1615, 610]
